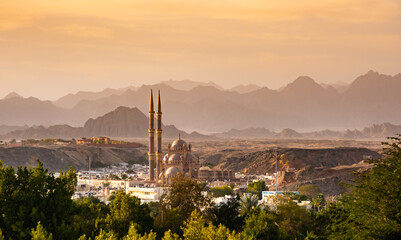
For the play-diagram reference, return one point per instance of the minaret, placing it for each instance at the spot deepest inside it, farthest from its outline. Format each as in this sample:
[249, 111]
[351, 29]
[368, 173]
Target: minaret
[151, 152]
[159, 152]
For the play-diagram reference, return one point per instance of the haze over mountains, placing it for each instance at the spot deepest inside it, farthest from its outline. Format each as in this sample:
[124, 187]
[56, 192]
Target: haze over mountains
[123, 122]
[303, 105]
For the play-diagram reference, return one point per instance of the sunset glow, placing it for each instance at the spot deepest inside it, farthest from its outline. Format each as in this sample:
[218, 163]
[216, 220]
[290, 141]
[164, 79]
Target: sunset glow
[57, 47]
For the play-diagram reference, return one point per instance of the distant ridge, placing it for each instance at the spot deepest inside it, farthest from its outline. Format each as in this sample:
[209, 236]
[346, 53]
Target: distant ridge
[189, 84]
[122, 122]
[245, 88]
[303, 104]
[376, 131]
[12, 95]
[71, 100]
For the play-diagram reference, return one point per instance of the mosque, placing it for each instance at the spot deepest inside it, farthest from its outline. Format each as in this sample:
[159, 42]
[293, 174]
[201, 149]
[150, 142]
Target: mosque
[178, 159]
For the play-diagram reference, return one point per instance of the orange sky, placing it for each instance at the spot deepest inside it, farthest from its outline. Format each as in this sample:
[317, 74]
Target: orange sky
[50, 48]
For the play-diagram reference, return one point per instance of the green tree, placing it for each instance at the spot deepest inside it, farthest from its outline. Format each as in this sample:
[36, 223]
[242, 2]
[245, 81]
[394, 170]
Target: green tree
[260, 225]
[257, 188]
[169, 235]
[320, 202]
[195, 229]
[88, 212]
[186, 194]
[221, 191]
[373, 208]
[331, 219]
[106, 235]
[293, 221]
[228, 215]
[125, 210]
[309, 190]
[40, 233]
[28, 196]
[248, 203]
[134, 235]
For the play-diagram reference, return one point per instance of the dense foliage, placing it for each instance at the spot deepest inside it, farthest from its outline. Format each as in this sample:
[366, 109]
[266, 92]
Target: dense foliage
[36, 205]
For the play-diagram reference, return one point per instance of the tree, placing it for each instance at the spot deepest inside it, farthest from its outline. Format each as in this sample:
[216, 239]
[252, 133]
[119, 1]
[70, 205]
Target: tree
[228, 215]
[40, 233]
[320, 201]
[221, 191]
[88, 212]
[260, 225]
[104, 235]
[134, 235]
[257, 188]
[169, 235]
[372, 210]
[186, 194]
[293, 221]
[183, 196]
[195, 229]
[247, 204]
[28, 196]
[309, 190]
[125, 210]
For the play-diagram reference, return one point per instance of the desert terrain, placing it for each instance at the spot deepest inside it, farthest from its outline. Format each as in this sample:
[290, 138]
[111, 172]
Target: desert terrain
[324, 163]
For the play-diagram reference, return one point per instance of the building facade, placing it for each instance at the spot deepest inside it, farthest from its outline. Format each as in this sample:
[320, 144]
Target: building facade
[178, 159]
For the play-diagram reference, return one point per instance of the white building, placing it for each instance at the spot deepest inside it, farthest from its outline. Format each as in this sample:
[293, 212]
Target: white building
[221, 200]
[152, 194]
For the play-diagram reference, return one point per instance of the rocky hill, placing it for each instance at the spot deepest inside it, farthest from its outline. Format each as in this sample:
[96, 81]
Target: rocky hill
[327, 166]
[123, 122]
[55, 158]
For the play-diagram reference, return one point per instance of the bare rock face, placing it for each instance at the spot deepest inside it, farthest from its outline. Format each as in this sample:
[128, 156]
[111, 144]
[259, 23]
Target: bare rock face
[325, 168]
[57, 158]
[122, 122]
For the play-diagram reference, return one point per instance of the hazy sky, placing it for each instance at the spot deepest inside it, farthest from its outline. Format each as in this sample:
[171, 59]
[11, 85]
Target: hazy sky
[50, 48]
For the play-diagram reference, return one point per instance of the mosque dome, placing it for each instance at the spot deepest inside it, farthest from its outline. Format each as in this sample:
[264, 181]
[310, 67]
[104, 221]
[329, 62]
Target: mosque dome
[172, 171]
[179, 143]
[174, 157]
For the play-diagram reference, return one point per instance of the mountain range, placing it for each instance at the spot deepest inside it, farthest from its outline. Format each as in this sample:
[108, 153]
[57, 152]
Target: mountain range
[376, 131]
[123, 122]
[303, 104]
[126, 122]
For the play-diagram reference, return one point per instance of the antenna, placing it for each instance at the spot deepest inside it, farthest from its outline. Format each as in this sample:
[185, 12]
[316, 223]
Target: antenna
[89, 168]
[276, 155]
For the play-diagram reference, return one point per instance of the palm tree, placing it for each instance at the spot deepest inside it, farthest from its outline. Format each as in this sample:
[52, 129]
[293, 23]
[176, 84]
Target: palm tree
[320, 201]
[247, 203]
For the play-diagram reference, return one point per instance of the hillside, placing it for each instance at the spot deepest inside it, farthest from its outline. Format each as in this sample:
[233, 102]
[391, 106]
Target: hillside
[123, 122]
[325, 167]
[56, 158]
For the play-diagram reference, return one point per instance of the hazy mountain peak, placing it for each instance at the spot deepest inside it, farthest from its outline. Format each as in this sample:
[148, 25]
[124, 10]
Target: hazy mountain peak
[245, 88]
[70, 100]
[304, 80]
[372, 73]
[189, 84]
[302, 84]
[12, 95]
